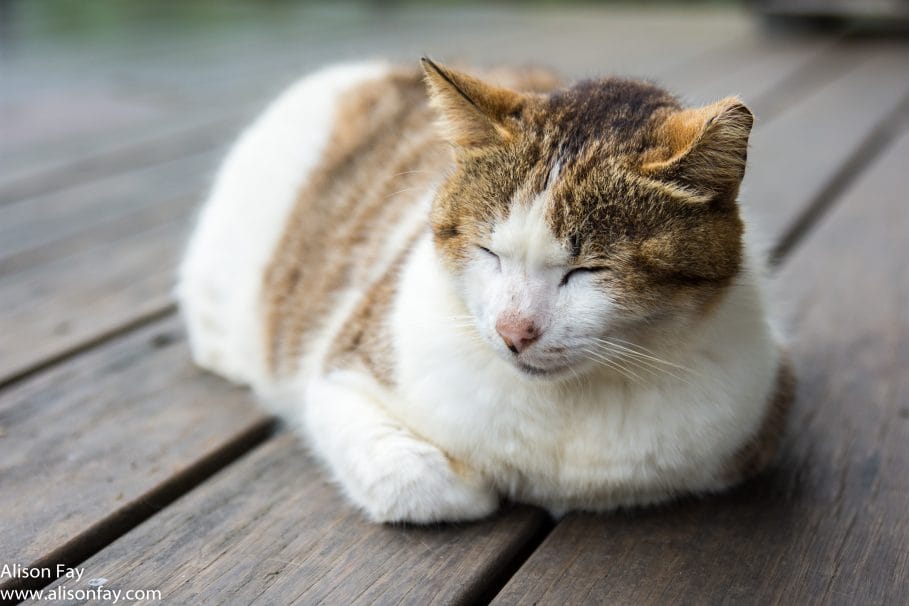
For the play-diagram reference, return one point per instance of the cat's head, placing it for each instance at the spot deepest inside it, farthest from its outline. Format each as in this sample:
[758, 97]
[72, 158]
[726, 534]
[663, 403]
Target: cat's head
[587, 219]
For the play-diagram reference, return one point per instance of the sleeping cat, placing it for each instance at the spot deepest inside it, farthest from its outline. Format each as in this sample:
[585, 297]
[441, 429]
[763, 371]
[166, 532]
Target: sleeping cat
[511, 290]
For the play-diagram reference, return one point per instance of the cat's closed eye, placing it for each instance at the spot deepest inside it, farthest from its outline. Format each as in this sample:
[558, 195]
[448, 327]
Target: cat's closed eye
[490, 254]
[581, 270]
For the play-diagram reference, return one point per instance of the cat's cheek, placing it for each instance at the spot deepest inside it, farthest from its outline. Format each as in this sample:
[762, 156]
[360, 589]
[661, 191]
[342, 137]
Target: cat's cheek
[480, 290]
[587, 307]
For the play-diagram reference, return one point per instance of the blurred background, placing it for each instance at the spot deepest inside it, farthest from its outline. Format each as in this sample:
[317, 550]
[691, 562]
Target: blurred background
[83, 76]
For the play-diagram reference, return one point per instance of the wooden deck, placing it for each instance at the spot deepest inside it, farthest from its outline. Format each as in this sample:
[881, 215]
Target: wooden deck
[118, 456]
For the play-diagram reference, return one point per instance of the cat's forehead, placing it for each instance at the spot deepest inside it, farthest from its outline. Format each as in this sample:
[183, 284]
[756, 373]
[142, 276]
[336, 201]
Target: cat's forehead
[580, 185]
[526, 232]
[613, 113]
[567, 206]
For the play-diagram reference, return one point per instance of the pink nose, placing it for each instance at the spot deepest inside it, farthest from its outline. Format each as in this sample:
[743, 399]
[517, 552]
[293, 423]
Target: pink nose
[518, 333]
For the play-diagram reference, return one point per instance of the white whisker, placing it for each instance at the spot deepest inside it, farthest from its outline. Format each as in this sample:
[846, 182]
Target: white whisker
[638, 354]
[639, 363]
[603, 360]
[413, 172]
[401, 191]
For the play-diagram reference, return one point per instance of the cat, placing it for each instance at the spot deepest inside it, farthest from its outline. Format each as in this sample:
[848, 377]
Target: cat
[461, 290]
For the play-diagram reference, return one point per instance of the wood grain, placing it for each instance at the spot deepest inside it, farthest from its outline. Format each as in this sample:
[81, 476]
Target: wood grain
[34, 223]
[828, 524]
[80, 298]
[793, 157]
[93, 443]
[113, 228]
[270, 529]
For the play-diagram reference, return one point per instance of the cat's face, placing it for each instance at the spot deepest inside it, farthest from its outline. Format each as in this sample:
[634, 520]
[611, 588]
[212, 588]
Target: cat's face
[580, 224]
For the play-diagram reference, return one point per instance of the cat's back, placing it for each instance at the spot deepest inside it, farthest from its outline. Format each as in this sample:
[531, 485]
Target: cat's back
[303, 213]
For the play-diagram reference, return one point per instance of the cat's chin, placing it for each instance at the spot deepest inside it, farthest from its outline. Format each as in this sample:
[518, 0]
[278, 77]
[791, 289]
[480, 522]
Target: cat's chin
[541, 372]
[537, 372]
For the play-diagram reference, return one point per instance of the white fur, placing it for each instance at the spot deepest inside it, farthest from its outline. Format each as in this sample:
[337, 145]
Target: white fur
[568, 441]
[379, 462]
[525, 283]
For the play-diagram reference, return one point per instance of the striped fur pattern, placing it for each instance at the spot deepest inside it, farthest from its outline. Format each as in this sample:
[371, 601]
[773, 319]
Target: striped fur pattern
[464, 289]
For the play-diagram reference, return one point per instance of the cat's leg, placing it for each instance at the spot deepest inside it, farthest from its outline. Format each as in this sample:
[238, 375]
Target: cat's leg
[382, 467]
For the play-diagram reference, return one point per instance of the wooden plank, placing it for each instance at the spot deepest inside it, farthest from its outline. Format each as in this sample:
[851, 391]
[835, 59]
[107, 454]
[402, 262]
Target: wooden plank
[113, 228]
[271, 529]
[33, 223]
[82, 162]
[761, 68]
[37, 170]
[106, 439]
[82, 298]
[50, 118]
[164, 64]
[828, 524]
[793, 157]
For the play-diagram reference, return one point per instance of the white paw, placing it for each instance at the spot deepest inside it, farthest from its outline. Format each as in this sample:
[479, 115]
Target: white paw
[418, 484]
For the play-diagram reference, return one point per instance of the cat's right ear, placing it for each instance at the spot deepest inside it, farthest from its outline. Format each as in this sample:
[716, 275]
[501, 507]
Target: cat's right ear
[473, 113]
[704, 148]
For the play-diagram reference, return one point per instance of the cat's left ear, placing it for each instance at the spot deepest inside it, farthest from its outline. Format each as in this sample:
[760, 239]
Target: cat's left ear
[703, 148]
[473, 113]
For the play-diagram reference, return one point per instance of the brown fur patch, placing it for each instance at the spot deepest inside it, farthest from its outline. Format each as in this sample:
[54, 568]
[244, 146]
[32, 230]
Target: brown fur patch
[381, 155]
[760, 451]
[703, 148]
[473, 112]
[459, 467]
[366, 336]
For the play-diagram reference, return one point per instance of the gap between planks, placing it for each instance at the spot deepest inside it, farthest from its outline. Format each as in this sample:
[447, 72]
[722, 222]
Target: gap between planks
[90, 344]
[887, 130]
[98, 536]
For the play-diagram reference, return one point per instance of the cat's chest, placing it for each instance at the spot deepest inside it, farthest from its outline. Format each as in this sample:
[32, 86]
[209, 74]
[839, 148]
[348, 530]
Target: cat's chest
[482, 415]
[539, 441]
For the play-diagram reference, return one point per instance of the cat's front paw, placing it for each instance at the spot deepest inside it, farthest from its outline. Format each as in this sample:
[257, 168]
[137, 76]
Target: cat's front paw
[421, 485]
